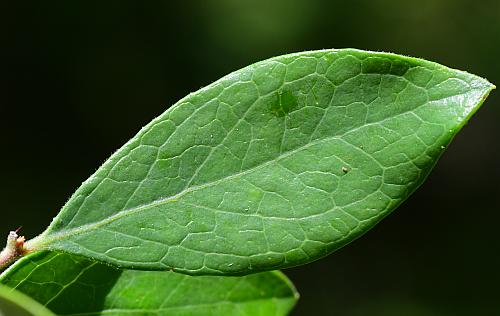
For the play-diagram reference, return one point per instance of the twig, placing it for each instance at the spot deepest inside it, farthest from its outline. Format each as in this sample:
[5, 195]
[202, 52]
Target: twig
[13, 250]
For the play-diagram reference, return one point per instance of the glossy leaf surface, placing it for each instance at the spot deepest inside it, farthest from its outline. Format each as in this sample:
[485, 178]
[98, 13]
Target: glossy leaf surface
[273, 166]
[75, 285]
[14, 303]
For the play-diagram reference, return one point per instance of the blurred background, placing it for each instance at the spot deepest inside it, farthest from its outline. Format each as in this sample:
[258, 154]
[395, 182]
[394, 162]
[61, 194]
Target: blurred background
[80, 78]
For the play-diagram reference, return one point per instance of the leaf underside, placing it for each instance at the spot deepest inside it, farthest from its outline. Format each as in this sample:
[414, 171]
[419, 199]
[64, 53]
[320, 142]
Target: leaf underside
[275, 165]
[74, 285]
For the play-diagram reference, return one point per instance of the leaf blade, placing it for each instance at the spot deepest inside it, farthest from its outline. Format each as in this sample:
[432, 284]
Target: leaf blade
[74, 285]
[15, 303]
[275, 165]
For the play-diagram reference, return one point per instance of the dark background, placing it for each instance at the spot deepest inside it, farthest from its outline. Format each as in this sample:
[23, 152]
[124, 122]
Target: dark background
[79, 78]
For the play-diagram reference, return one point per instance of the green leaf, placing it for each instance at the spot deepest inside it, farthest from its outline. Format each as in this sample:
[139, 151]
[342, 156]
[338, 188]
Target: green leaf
[15, 303]
[71, 285]
[275, 165]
